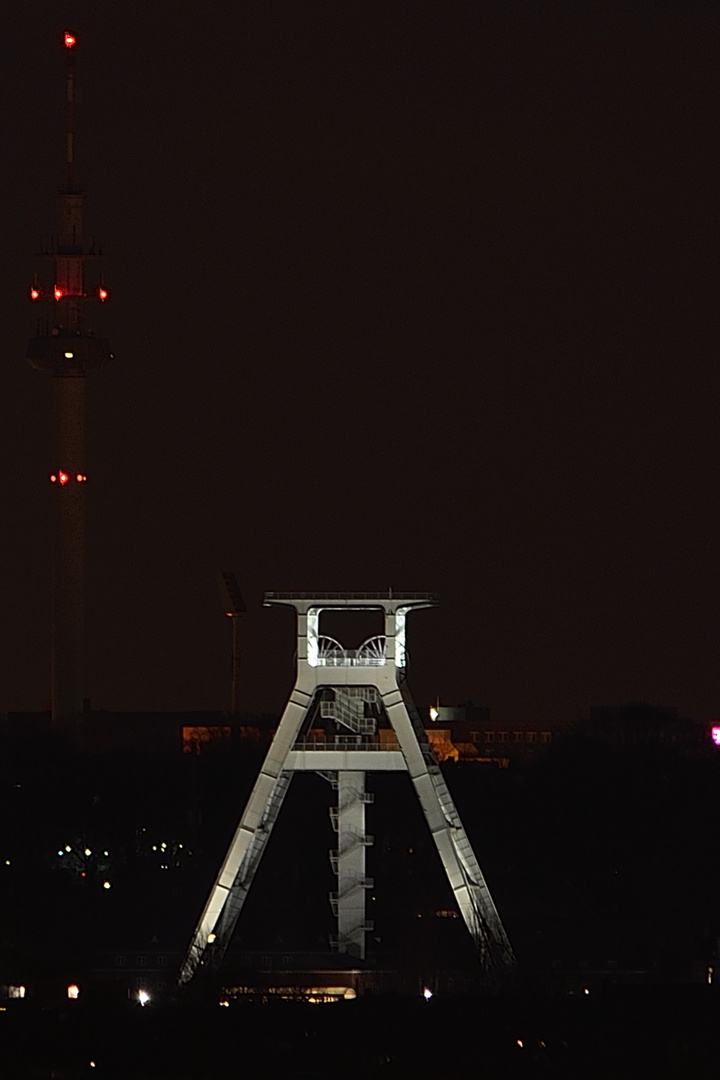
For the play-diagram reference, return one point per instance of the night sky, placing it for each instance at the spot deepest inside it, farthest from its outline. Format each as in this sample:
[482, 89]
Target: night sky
[405, 294]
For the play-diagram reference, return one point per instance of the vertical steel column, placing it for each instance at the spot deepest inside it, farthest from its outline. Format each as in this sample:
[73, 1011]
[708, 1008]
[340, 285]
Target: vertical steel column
[352, 882]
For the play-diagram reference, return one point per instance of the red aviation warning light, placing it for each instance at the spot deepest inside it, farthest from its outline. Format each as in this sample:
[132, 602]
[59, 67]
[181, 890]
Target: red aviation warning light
[58, 293]
[69, 40]
[34, 292]
[102, 294]
[63, 478]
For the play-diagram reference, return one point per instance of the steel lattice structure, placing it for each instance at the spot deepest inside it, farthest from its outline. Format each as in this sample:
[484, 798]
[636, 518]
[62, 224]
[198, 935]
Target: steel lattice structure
[352, 688]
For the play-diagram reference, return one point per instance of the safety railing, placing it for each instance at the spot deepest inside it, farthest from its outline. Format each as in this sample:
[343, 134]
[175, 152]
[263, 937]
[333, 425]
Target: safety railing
[347, 742]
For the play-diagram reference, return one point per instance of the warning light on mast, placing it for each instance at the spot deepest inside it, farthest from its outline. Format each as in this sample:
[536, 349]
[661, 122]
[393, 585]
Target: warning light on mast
[60, 477]
[58, 293]
[34, 293]
[69, 40]
[102, 293]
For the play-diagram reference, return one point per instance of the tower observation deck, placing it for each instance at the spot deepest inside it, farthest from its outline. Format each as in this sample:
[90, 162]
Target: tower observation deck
[67, 349]
[371, 725]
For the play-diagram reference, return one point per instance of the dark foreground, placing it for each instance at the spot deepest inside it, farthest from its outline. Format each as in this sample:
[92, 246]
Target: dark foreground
[672, 1033]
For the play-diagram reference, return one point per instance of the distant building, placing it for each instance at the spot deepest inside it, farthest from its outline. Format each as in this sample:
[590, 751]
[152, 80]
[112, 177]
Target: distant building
[460, 733]
[640, 724]
[467, 733]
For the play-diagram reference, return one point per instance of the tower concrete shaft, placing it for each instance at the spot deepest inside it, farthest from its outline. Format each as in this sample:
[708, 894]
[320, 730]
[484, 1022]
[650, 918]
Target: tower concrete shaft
[68, 609]
[67, 352]
[371, 725]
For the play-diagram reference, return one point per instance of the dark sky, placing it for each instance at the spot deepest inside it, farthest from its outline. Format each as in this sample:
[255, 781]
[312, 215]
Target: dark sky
[405, 294]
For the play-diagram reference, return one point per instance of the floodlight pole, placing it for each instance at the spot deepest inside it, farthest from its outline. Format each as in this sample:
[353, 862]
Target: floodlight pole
[234, 607]
[235, 672]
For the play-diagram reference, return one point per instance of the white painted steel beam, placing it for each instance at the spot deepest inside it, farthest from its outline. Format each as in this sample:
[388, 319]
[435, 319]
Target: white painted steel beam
[345, 760]
[350, 864]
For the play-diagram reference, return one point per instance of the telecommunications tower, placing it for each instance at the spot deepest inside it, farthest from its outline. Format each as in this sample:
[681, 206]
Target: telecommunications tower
[67, 349]
[370, 725]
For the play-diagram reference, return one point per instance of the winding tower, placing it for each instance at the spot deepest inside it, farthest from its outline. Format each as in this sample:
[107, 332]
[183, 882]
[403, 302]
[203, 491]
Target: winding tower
[67, 349]
[371, 725]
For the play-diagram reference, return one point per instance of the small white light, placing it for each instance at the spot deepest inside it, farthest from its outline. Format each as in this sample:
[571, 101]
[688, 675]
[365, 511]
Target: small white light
[143, 997]
[427, 993]
[107, 885]
[433, 713]
[68, 848]
[211, 938]
[88, 851]
[69, 355]
[73, 992]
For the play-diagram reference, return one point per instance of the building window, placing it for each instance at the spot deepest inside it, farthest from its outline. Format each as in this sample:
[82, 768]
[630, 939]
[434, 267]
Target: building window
[531, 736]
[501, 736]
[120, 961]
[489, 736]
[546, 736]
[517, 736]
[162, 961]
[474, 736]
[140, 961]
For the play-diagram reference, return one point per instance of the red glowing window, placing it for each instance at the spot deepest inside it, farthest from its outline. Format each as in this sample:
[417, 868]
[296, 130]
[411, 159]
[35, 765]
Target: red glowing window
[69, 41]
[34, 293]
[58, 292]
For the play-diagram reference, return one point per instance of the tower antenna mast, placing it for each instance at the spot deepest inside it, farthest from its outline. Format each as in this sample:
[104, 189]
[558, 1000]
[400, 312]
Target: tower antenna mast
[67, 352]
